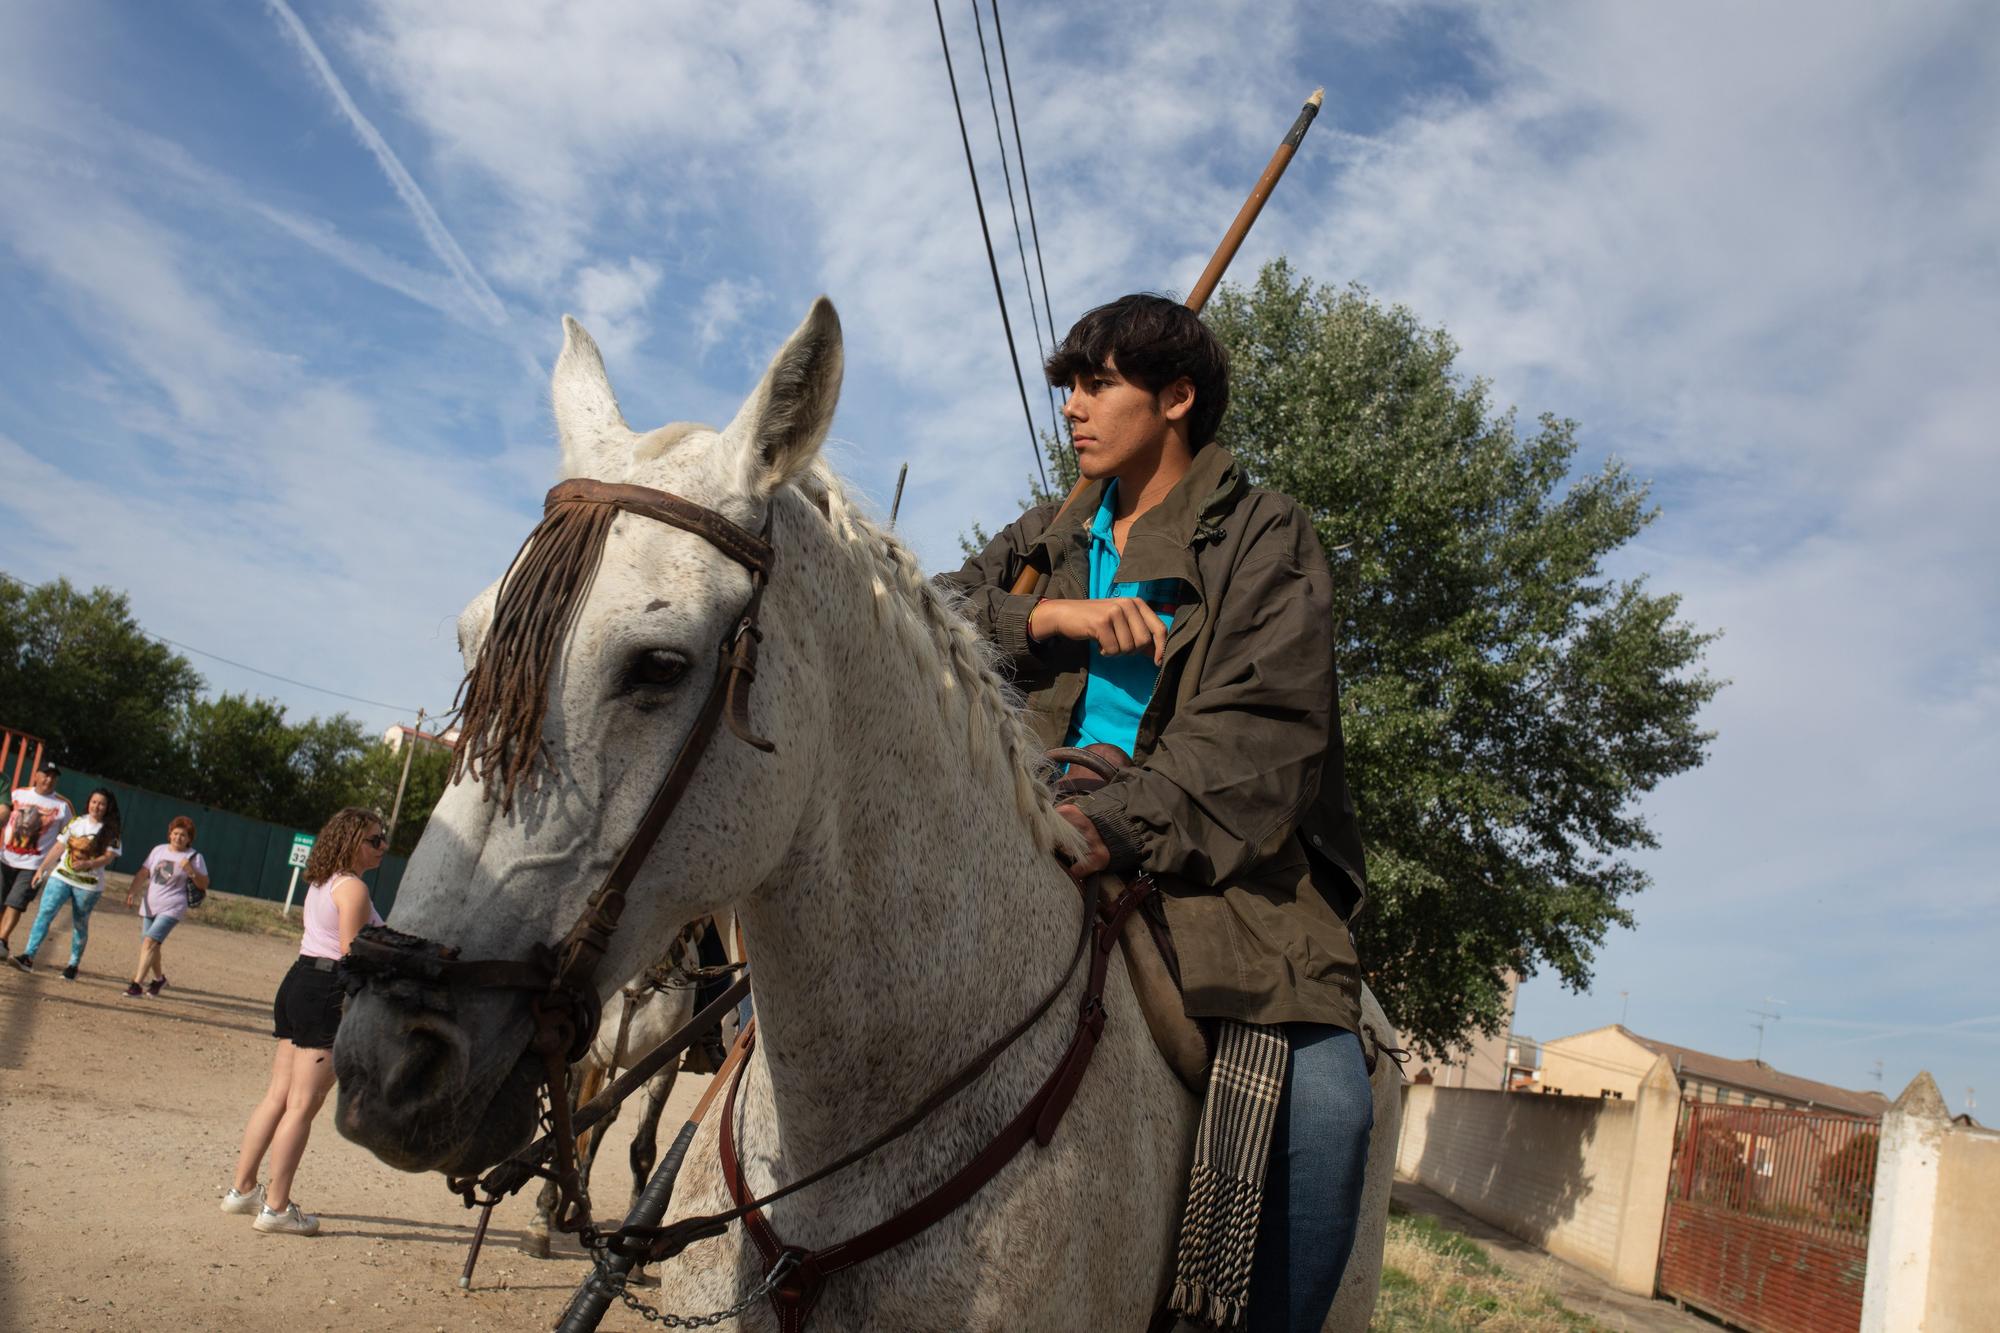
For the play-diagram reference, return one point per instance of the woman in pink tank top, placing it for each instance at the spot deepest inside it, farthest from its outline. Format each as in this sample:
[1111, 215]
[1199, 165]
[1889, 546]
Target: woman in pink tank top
[305, 1017]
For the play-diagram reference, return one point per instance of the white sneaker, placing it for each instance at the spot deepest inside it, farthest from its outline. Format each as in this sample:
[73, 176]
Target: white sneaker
[232, 1202]
[290, 1222]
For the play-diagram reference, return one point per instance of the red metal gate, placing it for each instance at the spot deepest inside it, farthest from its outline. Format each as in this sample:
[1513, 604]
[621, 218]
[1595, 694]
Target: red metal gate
[1767, 1216]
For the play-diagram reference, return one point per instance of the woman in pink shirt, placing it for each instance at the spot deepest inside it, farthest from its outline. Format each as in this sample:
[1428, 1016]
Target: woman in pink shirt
[305, 1017]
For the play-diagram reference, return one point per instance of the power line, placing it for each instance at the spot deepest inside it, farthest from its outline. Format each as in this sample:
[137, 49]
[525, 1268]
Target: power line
[1020, 245]
[304, 685]
[1021, 156]
[241, 666]
[999, 293]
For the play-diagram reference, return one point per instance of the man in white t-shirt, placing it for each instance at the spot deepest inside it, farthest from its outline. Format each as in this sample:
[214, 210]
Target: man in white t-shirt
[34, 816]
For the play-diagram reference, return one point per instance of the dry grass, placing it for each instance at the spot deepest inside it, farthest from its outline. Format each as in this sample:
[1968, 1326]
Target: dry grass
[249, 916]
[1435, 1280]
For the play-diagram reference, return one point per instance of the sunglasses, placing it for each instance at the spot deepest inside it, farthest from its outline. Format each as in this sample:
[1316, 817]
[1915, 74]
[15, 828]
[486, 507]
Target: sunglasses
[377, 841]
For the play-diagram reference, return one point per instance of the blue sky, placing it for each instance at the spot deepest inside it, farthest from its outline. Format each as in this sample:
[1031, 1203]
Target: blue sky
[283, 284]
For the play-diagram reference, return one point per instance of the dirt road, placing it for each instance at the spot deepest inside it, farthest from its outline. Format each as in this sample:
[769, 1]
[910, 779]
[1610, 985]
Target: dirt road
[119, 1123]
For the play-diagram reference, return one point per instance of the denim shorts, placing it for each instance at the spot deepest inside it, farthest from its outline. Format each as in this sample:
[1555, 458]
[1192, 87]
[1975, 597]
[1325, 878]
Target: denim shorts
[157, 928]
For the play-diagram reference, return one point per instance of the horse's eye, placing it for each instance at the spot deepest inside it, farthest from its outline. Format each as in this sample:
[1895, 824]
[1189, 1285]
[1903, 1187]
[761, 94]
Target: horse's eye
[655, 668]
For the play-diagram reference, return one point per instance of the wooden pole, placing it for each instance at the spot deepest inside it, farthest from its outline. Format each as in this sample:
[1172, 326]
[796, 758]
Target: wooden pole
[1030, 579]
[409, 753]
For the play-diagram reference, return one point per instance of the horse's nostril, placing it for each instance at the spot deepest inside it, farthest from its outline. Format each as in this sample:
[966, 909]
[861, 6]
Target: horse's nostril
[424, 1070]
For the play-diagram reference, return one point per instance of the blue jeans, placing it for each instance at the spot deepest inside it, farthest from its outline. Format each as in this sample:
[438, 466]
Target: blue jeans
[82, 902]
[1312, 1188]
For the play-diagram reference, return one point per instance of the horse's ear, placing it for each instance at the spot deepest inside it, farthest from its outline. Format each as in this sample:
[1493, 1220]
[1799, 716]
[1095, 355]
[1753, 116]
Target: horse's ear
[784, 422]
[596, 442]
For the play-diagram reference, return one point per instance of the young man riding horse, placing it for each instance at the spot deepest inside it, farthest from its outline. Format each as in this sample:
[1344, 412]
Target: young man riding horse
[1187, 620]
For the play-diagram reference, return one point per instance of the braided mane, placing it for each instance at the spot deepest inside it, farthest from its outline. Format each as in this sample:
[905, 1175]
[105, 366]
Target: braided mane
[926, 620]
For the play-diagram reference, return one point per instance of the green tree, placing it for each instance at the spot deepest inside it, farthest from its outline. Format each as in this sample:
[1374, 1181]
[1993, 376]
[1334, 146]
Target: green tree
[1505, 702]
[76, 670]
[372, 781]
[1845, 1182]
[242, 755]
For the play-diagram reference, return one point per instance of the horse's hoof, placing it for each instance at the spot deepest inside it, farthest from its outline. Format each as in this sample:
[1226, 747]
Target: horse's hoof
[536, 1244]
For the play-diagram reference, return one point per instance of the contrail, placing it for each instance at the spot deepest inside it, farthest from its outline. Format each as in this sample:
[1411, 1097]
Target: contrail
[441, 242]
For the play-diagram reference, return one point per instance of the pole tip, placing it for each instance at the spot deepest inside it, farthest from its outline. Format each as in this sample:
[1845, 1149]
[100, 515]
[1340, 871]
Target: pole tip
[1318, 97]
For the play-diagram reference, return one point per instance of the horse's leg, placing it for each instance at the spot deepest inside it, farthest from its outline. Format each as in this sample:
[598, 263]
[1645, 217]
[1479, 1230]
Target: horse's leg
[583, 1086]
[646, 1138]
[536, 1241]
[588, 1084]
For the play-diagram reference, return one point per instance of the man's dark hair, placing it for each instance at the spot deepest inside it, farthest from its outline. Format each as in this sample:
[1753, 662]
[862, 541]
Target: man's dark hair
[1154, 342]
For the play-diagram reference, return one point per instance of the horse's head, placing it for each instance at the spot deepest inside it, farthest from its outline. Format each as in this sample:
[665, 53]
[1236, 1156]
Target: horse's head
[589, 666]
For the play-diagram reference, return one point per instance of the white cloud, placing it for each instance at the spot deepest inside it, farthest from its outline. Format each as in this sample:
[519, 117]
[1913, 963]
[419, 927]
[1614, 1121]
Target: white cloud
[1739, 246]
[724, 305]
[611, 302]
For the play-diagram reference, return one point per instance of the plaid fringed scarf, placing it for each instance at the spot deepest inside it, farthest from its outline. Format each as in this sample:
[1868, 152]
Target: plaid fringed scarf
[1226, 1186]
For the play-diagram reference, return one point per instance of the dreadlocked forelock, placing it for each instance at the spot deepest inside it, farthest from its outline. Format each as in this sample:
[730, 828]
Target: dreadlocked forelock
[505, 696]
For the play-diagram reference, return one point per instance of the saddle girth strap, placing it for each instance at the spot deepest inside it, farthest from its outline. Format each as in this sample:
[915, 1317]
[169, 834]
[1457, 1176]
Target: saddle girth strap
[793, 1299]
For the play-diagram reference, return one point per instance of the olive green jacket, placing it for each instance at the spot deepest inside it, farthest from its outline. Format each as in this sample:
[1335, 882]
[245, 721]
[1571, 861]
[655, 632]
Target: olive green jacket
[1238, 805]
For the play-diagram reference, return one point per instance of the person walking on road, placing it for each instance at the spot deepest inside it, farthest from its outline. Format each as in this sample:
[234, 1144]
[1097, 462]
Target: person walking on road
[305, 1018]
[163, 884]
[74, 872]
[35, 815]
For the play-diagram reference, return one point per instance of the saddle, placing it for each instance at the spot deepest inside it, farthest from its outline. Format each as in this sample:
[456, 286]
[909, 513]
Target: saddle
[1150, 961]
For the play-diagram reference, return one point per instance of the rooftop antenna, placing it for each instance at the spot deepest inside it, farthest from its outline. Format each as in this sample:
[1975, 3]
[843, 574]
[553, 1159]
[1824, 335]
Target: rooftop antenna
[1624, 1006]
[1876, 1073]
[1764, 1015]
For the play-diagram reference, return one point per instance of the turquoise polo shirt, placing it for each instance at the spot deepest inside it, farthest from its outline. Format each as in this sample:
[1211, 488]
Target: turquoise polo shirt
[1119, 686]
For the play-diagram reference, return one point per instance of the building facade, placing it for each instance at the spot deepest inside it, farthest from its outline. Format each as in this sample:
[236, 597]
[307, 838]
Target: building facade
[1610, 1061]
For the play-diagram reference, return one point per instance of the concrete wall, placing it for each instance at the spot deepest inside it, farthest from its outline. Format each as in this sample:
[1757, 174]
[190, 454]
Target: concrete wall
[1965, 1284]
[1582, 1177]
[1936, 1224]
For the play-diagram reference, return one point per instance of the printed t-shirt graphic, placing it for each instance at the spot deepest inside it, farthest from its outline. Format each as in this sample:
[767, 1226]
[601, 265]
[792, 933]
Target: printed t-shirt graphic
[32, 826]
[167, 874]
[77, 839]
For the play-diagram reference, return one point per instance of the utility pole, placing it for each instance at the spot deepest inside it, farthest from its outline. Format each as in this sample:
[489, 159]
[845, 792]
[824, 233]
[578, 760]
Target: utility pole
[409, 753]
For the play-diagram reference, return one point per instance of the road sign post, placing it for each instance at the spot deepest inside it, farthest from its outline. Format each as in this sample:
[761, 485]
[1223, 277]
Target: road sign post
[302, 845]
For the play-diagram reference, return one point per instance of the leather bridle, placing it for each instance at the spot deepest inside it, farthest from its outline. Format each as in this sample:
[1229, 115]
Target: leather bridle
[561, 977]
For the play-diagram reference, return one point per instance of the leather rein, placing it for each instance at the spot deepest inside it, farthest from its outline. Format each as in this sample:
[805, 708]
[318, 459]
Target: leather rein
[567, 1010]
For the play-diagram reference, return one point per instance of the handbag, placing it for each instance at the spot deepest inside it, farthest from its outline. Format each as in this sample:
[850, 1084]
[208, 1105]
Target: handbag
[196, 894]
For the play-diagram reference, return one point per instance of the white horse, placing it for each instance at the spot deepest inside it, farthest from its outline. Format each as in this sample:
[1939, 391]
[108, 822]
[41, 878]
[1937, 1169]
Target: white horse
[890, 862]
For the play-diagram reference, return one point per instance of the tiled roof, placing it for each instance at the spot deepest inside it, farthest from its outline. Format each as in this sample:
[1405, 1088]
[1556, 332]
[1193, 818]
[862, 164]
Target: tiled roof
[1758, 1077]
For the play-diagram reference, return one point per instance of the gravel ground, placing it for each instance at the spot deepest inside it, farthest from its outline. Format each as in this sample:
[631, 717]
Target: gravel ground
[120, 1120]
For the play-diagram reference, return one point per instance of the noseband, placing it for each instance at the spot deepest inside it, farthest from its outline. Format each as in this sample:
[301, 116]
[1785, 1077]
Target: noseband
[561, 977]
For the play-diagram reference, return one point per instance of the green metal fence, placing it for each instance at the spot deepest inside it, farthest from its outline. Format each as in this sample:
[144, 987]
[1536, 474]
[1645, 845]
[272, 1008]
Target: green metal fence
[245, 856]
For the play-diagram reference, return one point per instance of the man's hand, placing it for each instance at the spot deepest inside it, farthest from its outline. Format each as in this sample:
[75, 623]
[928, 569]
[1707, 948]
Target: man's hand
[1116, 624]
[1096, 856]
